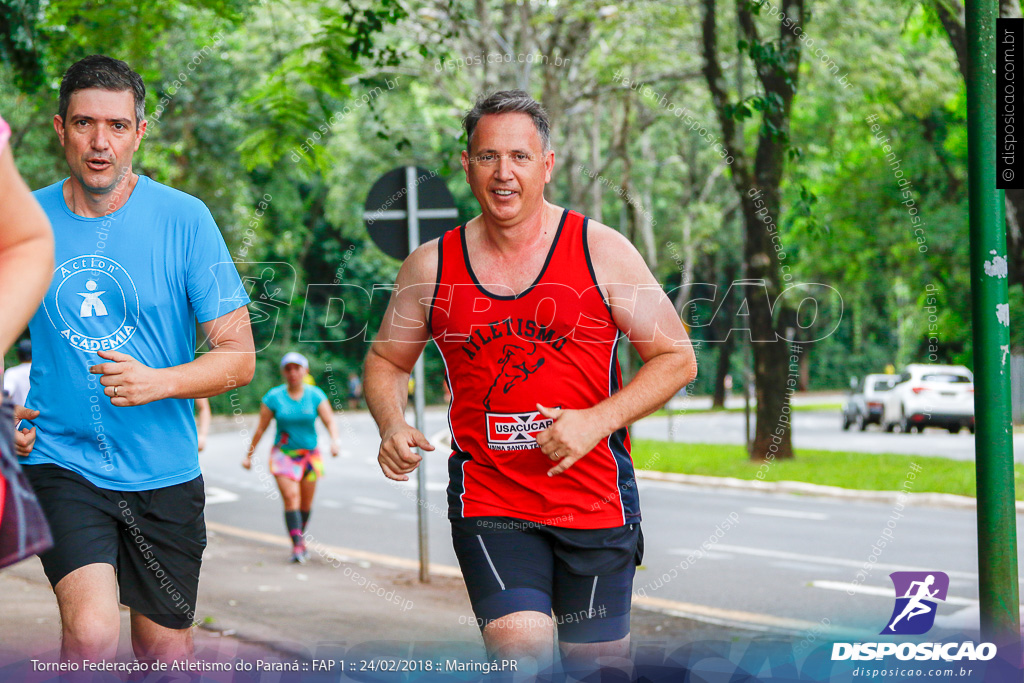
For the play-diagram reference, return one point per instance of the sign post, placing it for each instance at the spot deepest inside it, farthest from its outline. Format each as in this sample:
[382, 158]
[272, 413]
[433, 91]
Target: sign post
[395, 207]
[998, 589]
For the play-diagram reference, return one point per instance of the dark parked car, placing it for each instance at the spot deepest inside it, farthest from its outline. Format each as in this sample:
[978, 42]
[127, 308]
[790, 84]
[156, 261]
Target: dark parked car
[864, 404]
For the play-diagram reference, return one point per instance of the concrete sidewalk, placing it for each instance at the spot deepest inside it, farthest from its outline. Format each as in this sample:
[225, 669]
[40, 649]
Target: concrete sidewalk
[254, 604]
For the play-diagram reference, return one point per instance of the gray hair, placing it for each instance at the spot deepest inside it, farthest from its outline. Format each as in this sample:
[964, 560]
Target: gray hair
[508, 102]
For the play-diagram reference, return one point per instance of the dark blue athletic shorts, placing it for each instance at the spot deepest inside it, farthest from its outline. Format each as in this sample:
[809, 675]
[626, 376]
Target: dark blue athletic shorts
[584, 576]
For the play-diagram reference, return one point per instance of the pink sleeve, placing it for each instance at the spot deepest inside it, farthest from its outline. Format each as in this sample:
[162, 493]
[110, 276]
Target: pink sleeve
[5, 133]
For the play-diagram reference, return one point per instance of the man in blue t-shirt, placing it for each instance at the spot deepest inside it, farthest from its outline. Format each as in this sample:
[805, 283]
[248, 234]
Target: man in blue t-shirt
[115, 460]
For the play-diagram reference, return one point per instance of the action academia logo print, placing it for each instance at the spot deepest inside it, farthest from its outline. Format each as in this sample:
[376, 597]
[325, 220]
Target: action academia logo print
[916, 593]
[93, 303]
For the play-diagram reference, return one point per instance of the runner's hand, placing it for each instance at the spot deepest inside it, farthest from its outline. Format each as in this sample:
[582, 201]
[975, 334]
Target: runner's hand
[136, 384]
[23, 413]
[247, 462]
[573, 434]
[24, 439]
[335, 448]
[396, 456]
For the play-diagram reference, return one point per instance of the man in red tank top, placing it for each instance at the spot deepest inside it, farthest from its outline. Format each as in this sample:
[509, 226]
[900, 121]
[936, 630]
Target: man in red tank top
[526, 303]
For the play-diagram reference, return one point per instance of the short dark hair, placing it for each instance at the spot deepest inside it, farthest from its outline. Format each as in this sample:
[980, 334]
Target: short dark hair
[106, 73]
[508, 102]
[24, 351]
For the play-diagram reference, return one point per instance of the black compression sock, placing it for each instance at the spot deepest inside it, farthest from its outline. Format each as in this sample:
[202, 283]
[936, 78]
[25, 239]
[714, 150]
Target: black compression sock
[293, 520]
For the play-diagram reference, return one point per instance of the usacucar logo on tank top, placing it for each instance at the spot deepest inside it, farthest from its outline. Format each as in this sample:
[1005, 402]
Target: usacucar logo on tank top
[515, 431]
[518, 362]
[93, 304]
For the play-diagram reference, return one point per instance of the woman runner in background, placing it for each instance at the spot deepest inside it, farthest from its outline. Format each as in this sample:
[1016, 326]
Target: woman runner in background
[26, 266]
[295, 459]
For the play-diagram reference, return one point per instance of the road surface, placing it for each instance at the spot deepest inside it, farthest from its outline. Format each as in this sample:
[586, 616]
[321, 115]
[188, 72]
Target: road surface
[787, 563]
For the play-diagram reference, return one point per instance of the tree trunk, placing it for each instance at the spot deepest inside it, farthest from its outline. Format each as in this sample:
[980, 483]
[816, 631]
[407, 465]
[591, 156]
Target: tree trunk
[771, 352]
[728, 345]
[725, 350]
[757, 183]
[643, 206]
[805, 370]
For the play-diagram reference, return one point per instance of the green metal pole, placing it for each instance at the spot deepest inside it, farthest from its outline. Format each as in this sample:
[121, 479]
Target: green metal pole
[997, 518]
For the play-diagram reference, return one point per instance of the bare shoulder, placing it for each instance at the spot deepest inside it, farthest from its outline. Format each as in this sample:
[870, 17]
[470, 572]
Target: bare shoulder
[613, 256]
[421, 265]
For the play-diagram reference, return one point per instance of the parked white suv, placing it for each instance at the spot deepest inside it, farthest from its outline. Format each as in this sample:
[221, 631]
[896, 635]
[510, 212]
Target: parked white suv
[930, 396]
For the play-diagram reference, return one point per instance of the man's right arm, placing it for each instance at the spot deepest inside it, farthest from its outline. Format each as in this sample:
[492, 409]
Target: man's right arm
[399, 343]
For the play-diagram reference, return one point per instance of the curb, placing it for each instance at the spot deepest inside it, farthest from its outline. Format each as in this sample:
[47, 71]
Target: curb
[946, 500]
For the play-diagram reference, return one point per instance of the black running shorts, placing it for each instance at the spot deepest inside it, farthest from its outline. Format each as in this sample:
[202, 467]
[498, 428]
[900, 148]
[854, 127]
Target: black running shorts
[153, 539]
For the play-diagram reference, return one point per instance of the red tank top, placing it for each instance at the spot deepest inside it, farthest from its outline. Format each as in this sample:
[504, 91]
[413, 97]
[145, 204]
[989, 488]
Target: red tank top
[554, 344]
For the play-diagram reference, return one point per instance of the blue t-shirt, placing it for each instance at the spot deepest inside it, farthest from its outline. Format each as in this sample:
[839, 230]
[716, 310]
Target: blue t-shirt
[296, 420]
[134, 281]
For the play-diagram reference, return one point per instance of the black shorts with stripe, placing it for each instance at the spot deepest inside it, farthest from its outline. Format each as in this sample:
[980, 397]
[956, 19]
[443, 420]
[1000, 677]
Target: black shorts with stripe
[583, 576]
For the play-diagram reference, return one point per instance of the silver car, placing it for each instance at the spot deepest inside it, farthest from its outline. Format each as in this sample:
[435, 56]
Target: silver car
[863, 406]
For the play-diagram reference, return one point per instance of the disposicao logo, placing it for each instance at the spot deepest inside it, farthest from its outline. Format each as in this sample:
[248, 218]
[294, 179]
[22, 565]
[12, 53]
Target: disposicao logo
[916, 595]
[913, 614]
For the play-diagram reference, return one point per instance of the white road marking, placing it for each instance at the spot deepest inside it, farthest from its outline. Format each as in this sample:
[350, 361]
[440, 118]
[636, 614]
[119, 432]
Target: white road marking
[880, 592]
[707, 554]
[215, 495]
[802, 566]
[330, 503]
[966, 619]
[739, 619]
[374, 502]
[441, 440]
[794, 514]
[363, 510]
[411, 484]
[819, 559]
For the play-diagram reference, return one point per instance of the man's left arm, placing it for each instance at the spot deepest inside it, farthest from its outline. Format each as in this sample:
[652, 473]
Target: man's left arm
[230, 363]
[642, 311]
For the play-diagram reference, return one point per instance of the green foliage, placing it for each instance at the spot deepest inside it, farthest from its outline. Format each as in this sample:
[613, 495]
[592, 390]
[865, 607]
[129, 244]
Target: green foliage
[21, 40]
[276, 108]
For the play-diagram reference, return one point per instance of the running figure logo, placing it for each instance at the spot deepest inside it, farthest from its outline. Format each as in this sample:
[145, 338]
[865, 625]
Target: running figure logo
[916, 593]
[515, 368]
[92, 304]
